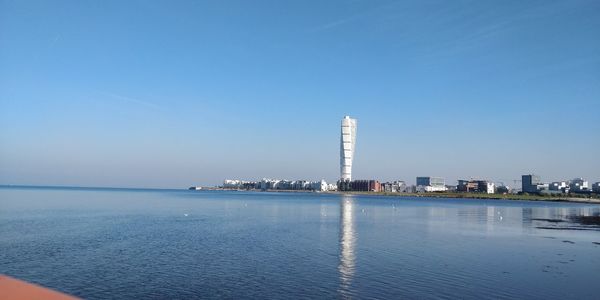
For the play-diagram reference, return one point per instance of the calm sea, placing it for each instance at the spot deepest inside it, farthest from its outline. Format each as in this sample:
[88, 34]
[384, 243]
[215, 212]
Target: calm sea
[168, 244]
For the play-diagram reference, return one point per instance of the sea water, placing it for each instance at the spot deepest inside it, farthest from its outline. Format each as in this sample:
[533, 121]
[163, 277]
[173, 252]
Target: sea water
[127, 243]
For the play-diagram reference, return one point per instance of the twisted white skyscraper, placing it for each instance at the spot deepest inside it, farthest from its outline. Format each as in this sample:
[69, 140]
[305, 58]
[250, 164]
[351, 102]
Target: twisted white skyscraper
[347, 143]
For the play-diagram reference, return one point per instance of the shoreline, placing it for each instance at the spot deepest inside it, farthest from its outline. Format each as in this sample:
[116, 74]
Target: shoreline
[476, 196]
[472, 196]
[446, 195]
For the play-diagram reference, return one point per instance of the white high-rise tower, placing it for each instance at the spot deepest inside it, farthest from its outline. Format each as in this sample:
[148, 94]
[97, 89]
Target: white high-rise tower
[347, 143]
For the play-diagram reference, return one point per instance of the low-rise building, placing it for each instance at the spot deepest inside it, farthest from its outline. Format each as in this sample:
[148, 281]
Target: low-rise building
[429, 189]
[278, 184]
[344, 185]
[559, 186]
[532, 184]
[332, 187]
[596, 187]
[431, 184]
[393, 187]
[411, 188]
[359, 185]
[269, 184]
[285, 185]
[320, 186]
[490, 187]
[579, 185]
[466, 186]
[476, 186]
[503, 189]
[238, 184]
[366, 185]
[451, 188]
[300, 185]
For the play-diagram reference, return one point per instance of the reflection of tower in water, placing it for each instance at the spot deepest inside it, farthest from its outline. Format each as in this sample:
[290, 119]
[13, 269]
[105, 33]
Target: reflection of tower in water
[347, 244]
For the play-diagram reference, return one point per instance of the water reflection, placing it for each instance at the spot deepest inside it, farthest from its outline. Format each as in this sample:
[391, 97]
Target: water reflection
[572, 218]
[348, 240]
[505, 218]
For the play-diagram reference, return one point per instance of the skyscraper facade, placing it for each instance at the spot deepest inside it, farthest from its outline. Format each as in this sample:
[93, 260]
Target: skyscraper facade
[530, 183]
[347, 144]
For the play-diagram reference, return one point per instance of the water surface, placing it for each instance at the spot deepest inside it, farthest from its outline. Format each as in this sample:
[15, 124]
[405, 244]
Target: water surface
[113, 243]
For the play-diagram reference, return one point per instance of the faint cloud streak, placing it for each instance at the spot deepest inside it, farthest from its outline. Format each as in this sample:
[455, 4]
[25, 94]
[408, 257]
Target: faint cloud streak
[351, 18]
[133, 100]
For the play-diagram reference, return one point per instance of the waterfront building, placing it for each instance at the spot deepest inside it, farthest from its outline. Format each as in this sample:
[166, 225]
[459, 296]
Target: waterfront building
[374, 186]
[466, 186]
[231, 184]
[596, 187]
[318, 185]
[476, 186]
[240, 184]
[559, 186]
[503, 189]
[269, 184]
[237, 184]
[393, 187]
[359, 185]
[431, 181]
[532, 183]
[431, 184]
[300, 184]
[285, 185]
[332, 187]
[343, 185]
[347, 145]
[451, 188]
[579, 185]
[388, 187]
[250, 185]
[366, 185]
[411, 189]
[293, 185]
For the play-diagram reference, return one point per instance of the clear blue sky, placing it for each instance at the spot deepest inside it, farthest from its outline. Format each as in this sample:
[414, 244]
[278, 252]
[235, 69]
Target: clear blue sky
[180, 93]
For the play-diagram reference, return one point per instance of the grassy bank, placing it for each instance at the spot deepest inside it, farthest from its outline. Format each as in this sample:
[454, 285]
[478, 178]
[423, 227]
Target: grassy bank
[565, 198]
[528, 197]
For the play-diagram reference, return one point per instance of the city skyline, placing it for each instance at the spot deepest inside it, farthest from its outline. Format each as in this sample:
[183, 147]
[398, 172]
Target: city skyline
[156, 94]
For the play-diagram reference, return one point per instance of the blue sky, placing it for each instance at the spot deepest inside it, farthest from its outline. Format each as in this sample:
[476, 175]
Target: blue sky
[180, 93]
